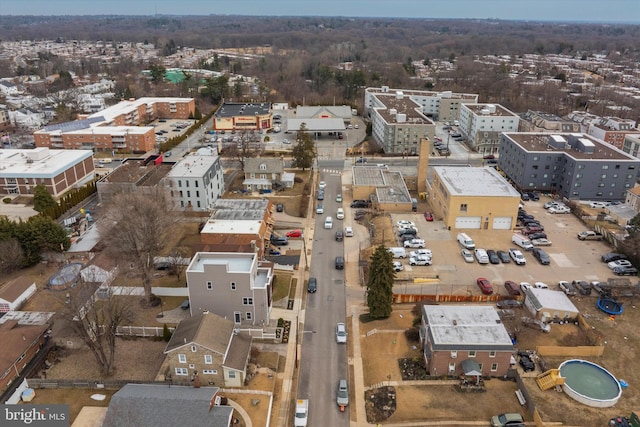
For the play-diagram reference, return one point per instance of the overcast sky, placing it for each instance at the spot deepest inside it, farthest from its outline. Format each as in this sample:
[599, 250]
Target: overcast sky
[627, 11]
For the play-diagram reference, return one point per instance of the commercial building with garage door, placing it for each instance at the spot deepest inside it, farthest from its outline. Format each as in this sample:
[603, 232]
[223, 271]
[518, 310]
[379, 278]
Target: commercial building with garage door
[473, 198]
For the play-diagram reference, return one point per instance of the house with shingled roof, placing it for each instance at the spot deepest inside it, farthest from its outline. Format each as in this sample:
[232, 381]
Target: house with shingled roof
[208, 347]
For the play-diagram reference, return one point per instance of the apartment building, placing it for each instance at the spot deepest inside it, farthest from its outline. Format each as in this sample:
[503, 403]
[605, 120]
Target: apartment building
[482, 124]
[233, 285]
[538, 121]
[398, 124]
[574, 166]
[196, 182]
[612, 130]
[440, 106]
[120, 127]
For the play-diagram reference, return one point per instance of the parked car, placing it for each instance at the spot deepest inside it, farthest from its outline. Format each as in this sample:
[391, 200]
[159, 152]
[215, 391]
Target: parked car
[481, 256]
[312, 286]
[524, 197]
[493, 256]
[405, 224]
[359, 204]
[279, 207]
[397, 266]
[538, 235]
[274, 252]
[420, 260]
[541, 256]
[619, 263]
[407, 232]
[319, 209]
[339, 236]
[612, 256]
[484, 285]
[527, 365]
[559, 210]
[530, 229]
[341, 333]
[504, 257]
[279, 241]
[343, 394]
[348, 232]
[414, 243]
[488, 157]
[534, 196]
[517, 256]
[625, 271]
[467, 255]
[512, 288]
[583, 287]
[339, 198]
[359, 215]
[540, 285]
[509, 303]
[320, 195]
[185, 304]
[294, 233]
[541, 242]
[567, 288]
[322, 185]
[421, 252]
[428, 216]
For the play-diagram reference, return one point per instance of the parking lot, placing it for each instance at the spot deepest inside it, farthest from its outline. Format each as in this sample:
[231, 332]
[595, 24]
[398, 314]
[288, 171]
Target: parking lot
[571, 259]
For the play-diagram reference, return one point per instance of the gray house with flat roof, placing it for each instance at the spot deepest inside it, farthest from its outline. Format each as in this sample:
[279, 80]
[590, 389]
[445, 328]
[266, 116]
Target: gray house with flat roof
[235, 286]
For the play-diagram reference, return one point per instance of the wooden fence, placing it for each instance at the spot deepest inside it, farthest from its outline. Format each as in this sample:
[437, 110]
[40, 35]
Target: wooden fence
[96, 384]
[141, 331]
[414, 298]
[579, 351]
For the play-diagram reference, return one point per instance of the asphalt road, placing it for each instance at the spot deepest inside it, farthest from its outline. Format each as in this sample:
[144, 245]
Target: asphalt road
[324, 362]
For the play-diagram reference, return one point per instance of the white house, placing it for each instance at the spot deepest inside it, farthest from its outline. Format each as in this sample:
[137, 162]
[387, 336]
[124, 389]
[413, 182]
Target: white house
[15, 293]
[196, 181]
[547, 305]
[482, 125]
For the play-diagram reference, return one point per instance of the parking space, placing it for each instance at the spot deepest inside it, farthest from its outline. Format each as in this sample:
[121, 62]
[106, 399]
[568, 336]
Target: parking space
[166, 129]
[571, 259]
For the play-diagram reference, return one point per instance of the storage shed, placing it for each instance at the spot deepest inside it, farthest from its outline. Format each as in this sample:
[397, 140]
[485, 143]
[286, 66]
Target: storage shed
[547, 305]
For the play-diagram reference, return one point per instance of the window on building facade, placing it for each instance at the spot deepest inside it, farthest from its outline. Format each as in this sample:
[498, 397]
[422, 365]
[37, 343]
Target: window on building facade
[208, 359]
[494, 367]
[209, 285]
[452, 367]
[232, 374]
[209, 372]
[463, 207]
[182, 371]
[249, 315]
[182, 358]
[233, 286]
[454, 354]
[247, 301]
[472, 353]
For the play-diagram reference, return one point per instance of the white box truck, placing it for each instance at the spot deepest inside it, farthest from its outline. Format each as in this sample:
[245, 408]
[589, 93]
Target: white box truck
[302, 413]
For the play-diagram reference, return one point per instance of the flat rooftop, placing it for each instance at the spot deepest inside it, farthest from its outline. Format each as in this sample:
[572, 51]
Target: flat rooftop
[125, 107]
[404, 105]
[483, 110]
[241, 109]
[192, 166]
[239, 209]
[234, 262]
[466, 181]
[435, 94]
[18, 163]
[539, 142]
[134, 171]
[457, 326]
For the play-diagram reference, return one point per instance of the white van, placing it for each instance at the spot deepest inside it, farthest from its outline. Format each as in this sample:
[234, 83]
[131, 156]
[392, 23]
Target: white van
[522, 241]
[328, 223]
[340, 214]
[398, 252]
[466, 241]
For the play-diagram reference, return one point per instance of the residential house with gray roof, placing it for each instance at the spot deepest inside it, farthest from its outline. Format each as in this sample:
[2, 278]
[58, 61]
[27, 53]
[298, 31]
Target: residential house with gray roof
[261, 173]
[209, 347]
[165, 405]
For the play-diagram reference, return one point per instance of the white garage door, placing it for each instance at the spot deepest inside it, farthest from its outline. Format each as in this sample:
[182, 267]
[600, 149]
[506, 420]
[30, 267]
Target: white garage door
[502, 223]
[468, 222]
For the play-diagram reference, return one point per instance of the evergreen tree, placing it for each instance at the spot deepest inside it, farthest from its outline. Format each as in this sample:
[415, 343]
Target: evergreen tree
[42, 199]
[380, 284]
[304, 152]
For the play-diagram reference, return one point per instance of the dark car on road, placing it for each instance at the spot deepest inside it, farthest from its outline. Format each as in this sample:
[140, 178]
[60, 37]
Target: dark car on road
[625, 271]
[541, 256]
[504, 257]
[512, 288]
[279, 241]
[407, 232]
[612, 256]
[312, 286]
[493, 256]
[538, 235]
[339, 236]
[583, 287]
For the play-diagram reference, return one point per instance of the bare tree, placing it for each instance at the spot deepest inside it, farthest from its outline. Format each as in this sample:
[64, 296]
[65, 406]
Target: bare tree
[136, 228]
[95, 320]
[11, 255]
[176, 264]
